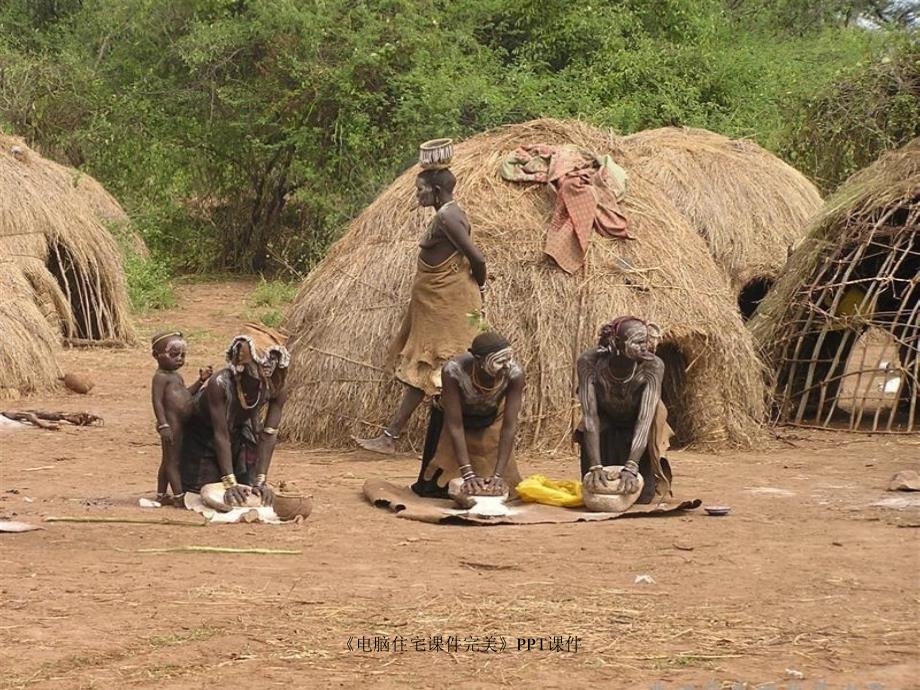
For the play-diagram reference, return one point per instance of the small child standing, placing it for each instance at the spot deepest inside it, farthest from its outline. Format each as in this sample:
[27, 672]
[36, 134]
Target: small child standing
[172, 403]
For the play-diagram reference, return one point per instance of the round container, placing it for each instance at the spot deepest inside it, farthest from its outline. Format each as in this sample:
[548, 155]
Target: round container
[289, 506]
[610, 503]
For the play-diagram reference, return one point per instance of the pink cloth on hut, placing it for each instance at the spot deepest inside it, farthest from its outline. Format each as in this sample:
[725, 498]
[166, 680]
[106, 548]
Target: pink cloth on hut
[585, 198]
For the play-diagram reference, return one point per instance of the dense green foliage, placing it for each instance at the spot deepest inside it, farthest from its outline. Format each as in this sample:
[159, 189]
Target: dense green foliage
[242, 134]
[848, 124]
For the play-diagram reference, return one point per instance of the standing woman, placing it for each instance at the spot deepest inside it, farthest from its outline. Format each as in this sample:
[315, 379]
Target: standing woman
[449, 280]
[472, 425]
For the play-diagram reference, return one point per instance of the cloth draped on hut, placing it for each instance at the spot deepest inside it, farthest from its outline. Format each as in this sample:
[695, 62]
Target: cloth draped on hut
[440, 322]
[588, 191]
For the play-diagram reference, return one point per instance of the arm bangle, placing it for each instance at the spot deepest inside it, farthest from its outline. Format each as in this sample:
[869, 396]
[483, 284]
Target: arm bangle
[228, 480]
[595, 467]
[162, 426]
[270, 430]
[260, 479]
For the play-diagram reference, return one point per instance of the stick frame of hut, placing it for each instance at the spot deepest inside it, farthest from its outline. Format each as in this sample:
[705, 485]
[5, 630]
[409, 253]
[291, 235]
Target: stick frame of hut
[841, 330]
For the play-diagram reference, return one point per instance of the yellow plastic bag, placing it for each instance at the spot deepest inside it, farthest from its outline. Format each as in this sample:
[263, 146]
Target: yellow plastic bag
[552, 492]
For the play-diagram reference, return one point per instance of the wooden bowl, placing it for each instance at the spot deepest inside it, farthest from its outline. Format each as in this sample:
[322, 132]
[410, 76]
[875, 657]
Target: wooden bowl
[289, 506]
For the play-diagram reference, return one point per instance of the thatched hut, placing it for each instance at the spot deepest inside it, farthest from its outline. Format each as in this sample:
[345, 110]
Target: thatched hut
[60, 268]
[350, 305]
[841, 328]
[747, 204]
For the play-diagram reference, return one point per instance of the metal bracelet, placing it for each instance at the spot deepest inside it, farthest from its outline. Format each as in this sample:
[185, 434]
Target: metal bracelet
[228, 480]
[260, 479]
[269, 430]
[162, 426]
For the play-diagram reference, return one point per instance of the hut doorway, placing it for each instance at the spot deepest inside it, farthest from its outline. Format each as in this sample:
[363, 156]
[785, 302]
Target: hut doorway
[673, 392]
[752, 294]
[82, 292]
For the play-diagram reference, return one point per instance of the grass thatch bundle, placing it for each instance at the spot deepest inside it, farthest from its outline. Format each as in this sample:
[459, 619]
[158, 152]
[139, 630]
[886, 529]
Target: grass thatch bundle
[61, 268]
[749, 205]
[350, 305]
[841, 328]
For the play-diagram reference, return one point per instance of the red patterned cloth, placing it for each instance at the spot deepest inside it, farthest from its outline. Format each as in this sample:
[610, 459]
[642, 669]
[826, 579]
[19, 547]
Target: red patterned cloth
[586, 197]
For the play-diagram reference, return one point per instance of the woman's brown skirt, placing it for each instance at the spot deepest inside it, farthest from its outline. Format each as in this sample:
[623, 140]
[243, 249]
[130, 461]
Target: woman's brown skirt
[438, 324]
[439, 460]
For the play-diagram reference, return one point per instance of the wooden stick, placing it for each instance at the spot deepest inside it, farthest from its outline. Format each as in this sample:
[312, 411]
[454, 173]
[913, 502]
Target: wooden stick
[130, 521]
[221, 549]
[347, 359]
[86, 342]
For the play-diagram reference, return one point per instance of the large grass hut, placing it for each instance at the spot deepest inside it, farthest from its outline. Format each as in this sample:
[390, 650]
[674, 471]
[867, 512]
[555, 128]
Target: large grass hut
[350, 306]
[841, 329]
[60, 268]
[748, 205]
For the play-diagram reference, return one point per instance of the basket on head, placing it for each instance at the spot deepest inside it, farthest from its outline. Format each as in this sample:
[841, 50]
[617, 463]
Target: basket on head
[435, 154]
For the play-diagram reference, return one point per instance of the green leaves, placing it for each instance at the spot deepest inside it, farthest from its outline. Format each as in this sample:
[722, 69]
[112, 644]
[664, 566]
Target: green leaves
[243, 135]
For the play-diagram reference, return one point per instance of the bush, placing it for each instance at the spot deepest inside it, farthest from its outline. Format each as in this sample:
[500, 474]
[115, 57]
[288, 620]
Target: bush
[149, 285]
[242, 136]
[845, 126]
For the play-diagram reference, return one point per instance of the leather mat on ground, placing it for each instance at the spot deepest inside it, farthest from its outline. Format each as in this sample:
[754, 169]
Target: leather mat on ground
[405, 504]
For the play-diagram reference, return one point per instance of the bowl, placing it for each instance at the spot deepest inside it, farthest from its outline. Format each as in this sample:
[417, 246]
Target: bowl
[717, 510]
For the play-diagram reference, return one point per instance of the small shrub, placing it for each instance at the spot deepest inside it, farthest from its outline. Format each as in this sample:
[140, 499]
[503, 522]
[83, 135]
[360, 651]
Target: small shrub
[149, 285]
[273, 293]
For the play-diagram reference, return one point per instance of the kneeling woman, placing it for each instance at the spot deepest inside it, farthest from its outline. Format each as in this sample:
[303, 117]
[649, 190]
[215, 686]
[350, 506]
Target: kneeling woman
[473, 423]
[225, 438]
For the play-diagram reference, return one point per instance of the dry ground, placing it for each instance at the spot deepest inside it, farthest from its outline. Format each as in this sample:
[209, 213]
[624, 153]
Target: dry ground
[806, 574]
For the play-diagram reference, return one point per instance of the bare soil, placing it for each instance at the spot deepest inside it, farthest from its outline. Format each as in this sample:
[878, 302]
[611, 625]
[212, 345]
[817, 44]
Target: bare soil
[807, 575]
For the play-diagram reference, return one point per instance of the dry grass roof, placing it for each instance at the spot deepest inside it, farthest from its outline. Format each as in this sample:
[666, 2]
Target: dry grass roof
[350, 305]
[749, 205]
[60, 267]
[866, 237]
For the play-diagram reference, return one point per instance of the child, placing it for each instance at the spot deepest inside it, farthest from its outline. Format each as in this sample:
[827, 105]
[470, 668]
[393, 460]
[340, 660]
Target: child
[171, 406]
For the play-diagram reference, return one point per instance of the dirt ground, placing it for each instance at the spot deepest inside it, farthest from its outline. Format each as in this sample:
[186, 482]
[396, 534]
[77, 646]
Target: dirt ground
[810, 582]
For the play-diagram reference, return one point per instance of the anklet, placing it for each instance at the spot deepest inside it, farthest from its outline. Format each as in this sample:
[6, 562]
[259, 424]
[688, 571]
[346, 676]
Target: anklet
[386, 432]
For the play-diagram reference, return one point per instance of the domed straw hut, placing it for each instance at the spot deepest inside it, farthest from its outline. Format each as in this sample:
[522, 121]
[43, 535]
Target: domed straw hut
[350, 306]
[60, 268]
[748, 205]
[841, 328]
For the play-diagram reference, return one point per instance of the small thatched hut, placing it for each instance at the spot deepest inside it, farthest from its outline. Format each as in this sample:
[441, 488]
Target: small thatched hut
[350, 305]
[747, 204]
[60, 268]
[841, 328]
